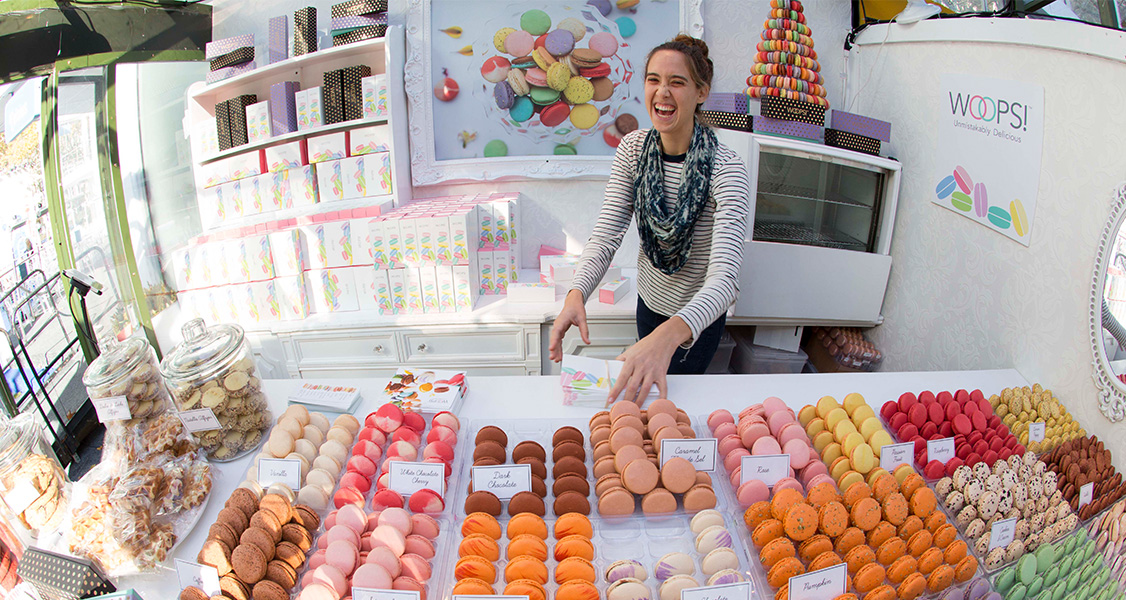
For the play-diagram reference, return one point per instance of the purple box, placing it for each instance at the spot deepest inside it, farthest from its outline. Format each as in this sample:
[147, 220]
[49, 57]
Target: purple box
[283, 107]
[229, 72]
[865, 126]
[795, 129]
[218, 48]
[357, 21]
[727, 102]
[279, 39]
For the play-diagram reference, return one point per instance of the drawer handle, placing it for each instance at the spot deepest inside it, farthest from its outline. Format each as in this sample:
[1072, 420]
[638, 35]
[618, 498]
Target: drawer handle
[423, 348]
[378, 349]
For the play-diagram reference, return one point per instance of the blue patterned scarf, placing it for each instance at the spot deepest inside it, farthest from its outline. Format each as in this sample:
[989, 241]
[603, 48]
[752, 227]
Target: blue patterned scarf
[666, 236]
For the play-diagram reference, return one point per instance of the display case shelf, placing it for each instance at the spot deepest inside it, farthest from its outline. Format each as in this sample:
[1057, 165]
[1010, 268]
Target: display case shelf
[796, 193]
[289, 137]
[791, 233]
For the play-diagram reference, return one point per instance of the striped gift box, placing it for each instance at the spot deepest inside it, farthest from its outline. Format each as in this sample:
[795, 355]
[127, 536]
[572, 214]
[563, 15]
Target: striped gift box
[228, 72]
[218, 48]
[342, 25]
[860, 125]
[728, 102]
[358, 7]
[851, 141]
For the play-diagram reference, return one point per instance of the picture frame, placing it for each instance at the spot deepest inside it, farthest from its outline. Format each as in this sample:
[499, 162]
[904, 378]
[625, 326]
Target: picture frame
[431, 32]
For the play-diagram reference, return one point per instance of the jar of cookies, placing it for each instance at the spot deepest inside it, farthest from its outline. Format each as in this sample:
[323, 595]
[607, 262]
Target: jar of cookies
[212, 375]
[33, 485]
[129, 369]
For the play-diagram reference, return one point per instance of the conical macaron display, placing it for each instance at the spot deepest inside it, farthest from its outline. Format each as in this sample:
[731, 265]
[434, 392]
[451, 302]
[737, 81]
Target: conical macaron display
[785, 62]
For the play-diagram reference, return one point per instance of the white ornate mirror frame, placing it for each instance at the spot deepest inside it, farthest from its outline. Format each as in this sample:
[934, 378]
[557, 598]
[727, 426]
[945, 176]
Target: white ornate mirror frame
[1112, 392]
[426, 169]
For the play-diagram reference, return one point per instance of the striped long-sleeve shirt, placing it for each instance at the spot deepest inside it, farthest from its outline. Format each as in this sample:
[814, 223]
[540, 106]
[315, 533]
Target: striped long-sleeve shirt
[708, 283]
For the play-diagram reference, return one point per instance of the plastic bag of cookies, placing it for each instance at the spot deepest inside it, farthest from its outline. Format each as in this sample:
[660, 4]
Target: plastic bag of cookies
[129, 369]
[213, 369]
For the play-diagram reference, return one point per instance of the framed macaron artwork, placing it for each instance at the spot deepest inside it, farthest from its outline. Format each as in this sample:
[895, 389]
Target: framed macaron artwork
[530, 88]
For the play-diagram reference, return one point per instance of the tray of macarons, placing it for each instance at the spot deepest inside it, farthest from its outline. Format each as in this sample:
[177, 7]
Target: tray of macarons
[1108, 531]
[1074, 566]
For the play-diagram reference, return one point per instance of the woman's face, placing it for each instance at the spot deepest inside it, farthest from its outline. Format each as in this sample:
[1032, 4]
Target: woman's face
[671, 95]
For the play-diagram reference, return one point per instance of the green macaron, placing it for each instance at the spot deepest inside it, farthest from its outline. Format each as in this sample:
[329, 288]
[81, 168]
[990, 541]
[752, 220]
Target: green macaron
[496, 148]
[1045, 556]
[1026, 569]
[1005, 580]
[1017, 593]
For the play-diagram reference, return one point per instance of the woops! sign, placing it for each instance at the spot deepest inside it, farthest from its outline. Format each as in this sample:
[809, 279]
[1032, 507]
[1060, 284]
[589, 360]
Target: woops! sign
[990, 141]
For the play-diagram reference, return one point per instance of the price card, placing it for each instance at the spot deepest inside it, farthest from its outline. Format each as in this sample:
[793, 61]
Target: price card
[826, 584]
[893, 455]
[200, 419]
[505, 482]
[373, 594]
[279, 470]
[111, 408]
[487, 597]
[767, 468]
[1036, 432]
[20, 496]
[1086, 494]
[202, 576]
[1002, 533]
[941, 450]
[409, 477]
[700, 452]
[733, 591]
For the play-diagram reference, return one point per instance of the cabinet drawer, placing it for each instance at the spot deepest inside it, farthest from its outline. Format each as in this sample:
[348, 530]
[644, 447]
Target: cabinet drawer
[471, 345]
[367, 347]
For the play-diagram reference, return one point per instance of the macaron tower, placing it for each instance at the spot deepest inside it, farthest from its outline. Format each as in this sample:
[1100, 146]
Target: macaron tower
[1020, 407]
[785, 63]
[767, 428]
[849, 438]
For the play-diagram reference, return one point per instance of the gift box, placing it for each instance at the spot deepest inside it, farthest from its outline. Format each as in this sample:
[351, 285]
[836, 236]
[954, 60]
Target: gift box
[531, 292]
[342, 25]
[237, 56]
[304, 31]
[332, 97]
[303, 186]
[352, 98]
[236, 107]
[228, 72]
[446, 303]
[283, 107]
[223, 124]
[375, 96]
[414, 291]
[851, 141]
[279, 40]
[330, 181]
[859, 125]
[217, 48]
[732, 102]
[332, 146]
[614, 291]
[727, 120]
[465, 288]
[246, 164]
[793, 110]
[286, 156]
[794, 129]
[359, 35]
[315, 100]
[60, 577]
[369, 140]
[355, 178]
[358, 7]
[429, 282]
[258, 121]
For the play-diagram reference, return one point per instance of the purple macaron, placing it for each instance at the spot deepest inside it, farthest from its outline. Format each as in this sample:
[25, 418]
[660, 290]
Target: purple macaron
[603, 6]
[977, 589]
[559, 42]
[504, 95]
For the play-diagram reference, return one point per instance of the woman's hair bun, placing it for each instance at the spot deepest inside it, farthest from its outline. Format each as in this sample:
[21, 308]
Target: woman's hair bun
[697, 43]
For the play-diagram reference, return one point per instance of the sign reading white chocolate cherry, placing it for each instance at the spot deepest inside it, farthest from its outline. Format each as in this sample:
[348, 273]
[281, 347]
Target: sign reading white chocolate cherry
[1086, 494]
[505, 482]
[111, 408]
[279, 470]
[1002, 533]
[941, 450]
[1036, 432]
[201, 576]
[824, 584]
[409, 477]
[373, 594]
[893, 455]
[767, 468]
[700, 452]
[731, 591]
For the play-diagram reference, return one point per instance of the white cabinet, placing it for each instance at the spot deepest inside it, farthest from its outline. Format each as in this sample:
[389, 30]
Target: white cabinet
[609, 337]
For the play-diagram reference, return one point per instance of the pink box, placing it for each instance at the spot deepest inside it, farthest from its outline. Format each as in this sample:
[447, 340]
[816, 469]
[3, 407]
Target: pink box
[614, 291]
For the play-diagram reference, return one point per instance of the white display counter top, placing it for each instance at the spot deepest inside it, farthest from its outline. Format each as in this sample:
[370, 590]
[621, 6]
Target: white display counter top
[541, 398]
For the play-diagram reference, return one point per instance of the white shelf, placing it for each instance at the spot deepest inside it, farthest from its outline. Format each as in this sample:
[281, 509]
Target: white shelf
[296, 135]
[300, 211]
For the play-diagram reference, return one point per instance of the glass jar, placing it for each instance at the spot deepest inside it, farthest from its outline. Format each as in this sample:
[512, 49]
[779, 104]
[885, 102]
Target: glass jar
[33, 484]
[213, 369]
[129, 369]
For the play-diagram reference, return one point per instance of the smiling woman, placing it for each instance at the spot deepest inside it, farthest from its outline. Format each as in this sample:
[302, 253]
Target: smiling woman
[690, 195]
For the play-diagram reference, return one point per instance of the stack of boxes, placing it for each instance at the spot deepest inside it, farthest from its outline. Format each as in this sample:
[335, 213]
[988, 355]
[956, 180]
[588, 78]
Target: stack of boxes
[854, 132]
[231, 121]
[229, 57]
[304, 31]
[727, 111]
[358, 20]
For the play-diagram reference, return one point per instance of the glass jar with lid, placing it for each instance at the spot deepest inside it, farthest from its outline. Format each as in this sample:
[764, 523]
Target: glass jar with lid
[33, 485]
[129, 369]
[212, 370]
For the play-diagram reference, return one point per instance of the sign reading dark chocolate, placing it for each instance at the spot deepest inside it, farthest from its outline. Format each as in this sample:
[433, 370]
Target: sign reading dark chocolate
[701, 452]
[504, 481]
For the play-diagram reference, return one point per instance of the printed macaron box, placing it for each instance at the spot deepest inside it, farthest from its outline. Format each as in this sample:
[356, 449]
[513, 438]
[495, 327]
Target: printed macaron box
[330, 180]
[332, 290]
[446, 297]
[355, 178]
[429, 281]
[369, 140]
[331, 146]
[265, 297]
[397, 281]
[465, 288]
[463, 227]
[375, 96]
[292, 296]
[414, 291]
[289, 155]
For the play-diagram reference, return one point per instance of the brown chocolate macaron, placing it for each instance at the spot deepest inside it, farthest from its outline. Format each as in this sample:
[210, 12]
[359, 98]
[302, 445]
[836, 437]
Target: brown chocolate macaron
[491, 433]
[281, 507]
[224, 533]
[290, 554]
[571, 502]
[269, 590]
[538, 468]
[268, 522]
[297, 535]
[192, 593]
[615, 502]
[491, 449]
[233, 588]
[483, 501]
[248, 563]
[486, 461]
[306, 517]
[282, 574]
[244, 500]
[539, 488]
[528, 448]
[261, 538]
[215, 554]
[568, 434]
[526, 502]
[568, 448]
[234, 518]
[568, 464]
[572, 483]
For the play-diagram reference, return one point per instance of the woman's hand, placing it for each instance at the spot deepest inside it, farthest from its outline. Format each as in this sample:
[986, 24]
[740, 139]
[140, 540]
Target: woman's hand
[647, 362]
[573, 313]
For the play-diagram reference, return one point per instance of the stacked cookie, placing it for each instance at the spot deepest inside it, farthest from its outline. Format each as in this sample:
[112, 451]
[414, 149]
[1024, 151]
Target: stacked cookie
[1109, 534]
[322, 450]
[849, 438]
[1079, 462]
[786, 64]
[388, 549]
[1073, 567]
[526, 557]
[490, 450]
[677, 571]
[767, 428]
[1022, 488]
[257, 544]
[979, 435]
[1020, 407]
[847, 346]
[891, 535]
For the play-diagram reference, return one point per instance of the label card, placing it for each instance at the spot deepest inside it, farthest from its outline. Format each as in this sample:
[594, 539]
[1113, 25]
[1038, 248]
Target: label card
[941, 450]
[409, 477]
[826, 584]
[767, 468]
[700, 452]
[1086, 494]
[1002, 533]
[202, 576]
[1036, 432]
[21, 496]
[279, 470]
[487, 597]
[200, 419]
[505, 482]
[372, 594]
[111, 408]
[893, 455]
[731, 591]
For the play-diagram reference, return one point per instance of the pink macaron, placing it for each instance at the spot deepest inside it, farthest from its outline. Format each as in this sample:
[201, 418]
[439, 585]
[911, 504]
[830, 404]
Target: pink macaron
[734, 458]
[773, 405]
[342, 532]
[373, 435]
[729, 443]
[410, 584]
[402, 449]
[388, 418]
[362, 465]
[414, 421]
[725, 429]
[438, 449]
[754, 432]
[342, 555]
[330, 520]
[441, 433]
[427, 501]
[372, 520]
[446, 419]
[398, 518]
[384, 499]
[416, 567]
[718, 417]
[420, 545]
[789, 483]
[372, 576]
[347, 495]
[384, 557]
[536, 76]
[316, 559]
[389, 537]
[752, 410]
[519, 43]
[779, 420]
[426, 526]
[318, 591]
[603, 43]
[766, 445]
[799, 453]
[820, 478]
[435, 460]
[791, 432]
[751, 492]
[369, 449]
[408, 435]
[357, 481]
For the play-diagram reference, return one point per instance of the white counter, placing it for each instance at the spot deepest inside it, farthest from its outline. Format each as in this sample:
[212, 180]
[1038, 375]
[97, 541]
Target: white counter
[541, 398]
